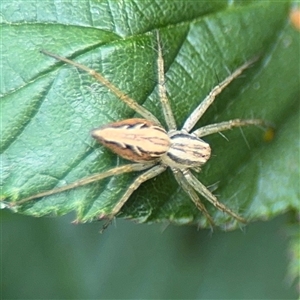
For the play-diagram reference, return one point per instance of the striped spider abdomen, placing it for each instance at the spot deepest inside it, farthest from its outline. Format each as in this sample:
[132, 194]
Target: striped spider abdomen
[138, 140]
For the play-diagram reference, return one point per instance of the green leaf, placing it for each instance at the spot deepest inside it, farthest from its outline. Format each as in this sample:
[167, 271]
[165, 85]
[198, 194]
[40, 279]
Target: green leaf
[48, 108]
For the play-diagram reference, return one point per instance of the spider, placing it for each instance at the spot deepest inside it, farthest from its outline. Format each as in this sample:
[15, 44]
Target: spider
[153, 148]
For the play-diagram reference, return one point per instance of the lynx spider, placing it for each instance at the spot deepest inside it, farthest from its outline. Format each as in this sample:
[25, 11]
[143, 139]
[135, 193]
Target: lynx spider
[152, 148]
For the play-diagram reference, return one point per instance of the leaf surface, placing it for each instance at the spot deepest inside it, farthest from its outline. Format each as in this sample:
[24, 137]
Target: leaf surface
[48, 108]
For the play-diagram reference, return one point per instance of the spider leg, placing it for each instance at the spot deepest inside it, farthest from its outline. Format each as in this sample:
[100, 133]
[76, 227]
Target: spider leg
[168, 114]
[205, 104]
[125, 98]
[84, 181]
[215, 128]
[193, 195]
[201, 189]
[153, 172]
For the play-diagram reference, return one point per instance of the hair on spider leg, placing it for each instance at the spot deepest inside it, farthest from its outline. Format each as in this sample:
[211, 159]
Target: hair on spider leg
[214, 186]
[223, 136]
[244, 138]
[243, 135]
[158, 44]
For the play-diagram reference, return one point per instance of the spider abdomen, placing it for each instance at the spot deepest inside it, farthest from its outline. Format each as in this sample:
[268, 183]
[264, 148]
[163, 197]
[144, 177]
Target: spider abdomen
[186, 151]
[138, 140]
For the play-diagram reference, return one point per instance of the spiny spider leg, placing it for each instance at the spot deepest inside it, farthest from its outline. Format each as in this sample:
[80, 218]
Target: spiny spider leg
[204, 191]
[90, 179]
[125, 98]
[190, 191]
[168, 114]
[222, 126]
[153, 172]
[209, 99]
